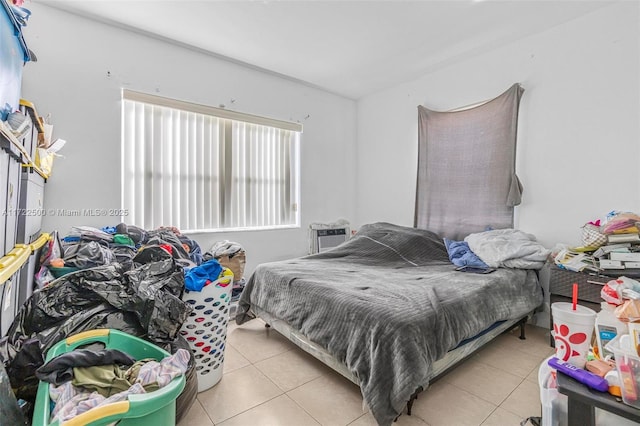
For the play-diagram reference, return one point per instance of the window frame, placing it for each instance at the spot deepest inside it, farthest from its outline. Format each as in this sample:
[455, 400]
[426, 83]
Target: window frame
[227, 118]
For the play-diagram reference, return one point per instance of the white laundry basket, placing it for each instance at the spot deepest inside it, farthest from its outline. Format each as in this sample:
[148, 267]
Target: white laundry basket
[554, 404]
[206, 327]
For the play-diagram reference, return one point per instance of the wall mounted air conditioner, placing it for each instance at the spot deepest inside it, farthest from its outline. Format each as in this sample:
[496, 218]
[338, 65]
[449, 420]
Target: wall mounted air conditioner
[325, 236]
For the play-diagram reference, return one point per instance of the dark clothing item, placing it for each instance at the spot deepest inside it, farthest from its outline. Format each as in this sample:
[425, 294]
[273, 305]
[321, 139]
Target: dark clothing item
[195, 252]
[138, 235]
[60, 369]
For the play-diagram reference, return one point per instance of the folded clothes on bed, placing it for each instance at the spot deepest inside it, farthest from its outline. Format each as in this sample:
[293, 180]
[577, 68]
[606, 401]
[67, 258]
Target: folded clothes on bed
[461, 255]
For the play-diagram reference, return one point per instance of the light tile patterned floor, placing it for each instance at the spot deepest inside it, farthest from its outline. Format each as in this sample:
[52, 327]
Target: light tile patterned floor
[270, 381]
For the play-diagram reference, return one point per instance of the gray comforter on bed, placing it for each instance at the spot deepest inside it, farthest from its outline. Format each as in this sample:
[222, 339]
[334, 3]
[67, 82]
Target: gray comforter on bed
[387, 304]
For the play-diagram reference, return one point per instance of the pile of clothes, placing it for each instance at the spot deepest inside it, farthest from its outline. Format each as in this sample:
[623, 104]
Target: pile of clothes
[123, 278]
[84, 379]
[497, 248]
[86, 247]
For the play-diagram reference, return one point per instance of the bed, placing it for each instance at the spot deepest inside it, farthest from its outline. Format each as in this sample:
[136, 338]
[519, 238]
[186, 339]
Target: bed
[387, 309]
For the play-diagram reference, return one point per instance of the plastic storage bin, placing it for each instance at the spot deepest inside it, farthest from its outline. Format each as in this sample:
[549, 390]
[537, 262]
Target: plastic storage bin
[10, 190]
[11, 267]
[4, 177]
[206, 327]
[31, 204]
[628, 366]
[156, 408]
[29, 270]
[555, 405]
[13, 55]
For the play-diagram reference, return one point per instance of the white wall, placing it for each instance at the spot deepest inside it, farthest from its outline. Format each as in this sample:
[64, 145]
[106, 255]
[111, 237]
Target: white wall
[578, 126]
[82, 66]
[579, 136]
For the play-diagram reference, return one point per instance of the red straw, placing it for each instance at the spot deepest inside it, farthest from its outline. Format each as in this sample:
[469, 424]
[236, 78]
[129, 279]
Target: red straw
[575, 295]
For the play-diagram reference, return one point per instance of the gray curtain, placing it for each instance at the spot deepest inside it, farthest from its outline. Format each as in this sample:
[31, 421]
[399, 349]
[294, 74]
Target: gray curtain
[466, 167]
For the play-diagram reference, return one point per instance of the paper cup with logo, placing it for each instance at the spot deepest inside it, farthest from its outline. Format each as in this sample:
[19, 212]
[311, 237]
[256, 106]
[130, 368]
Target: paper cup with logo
[572, 332]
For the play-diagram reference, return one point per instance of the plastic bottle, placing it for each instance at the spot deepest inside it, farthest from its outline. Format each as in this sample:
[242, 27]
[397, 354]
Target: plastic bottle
[607, 327]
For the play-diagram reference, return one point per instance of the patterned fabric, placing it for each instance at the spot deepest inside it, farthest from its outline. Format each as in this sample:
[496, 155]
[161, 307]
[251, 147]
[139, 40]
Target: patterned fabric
[85, 401]
[164, 371]
[592, 237]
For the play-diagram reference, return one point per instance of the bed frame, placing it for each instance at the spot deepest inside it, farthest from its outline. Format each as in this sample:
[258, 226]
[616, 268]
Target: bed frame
[440, 367]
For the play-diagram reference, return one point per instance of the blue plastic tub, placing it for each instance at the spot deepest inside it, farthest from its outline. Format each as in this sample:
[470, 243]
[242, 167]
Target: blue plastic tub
[13, 55]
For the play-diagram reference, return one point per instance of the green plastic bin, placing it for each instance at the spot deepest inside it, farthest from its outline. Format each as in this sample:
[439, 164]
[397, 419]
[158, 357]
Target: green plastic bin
[156, 408]
[62, 271]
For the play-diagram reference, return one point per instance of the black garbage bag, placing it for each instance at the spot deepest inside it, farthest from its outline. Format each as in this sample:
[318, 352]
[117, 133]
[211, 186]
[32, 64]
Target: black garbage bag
[144, 302]
[190, 391]
[24, 354]
[163, 236]
[163, 316]
[87, 254]
[151, 253]
[10, 413]
[124, 255]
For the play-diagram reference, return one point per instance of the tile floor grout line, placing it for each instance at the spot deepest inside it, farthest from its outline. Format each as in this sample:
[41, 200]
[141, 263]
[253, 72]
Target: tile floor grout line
[203, 409]
[303, 409]
[276, 385]
[534, 343]
[272, 356]
[311, 415]
[250, 408]
[414, 414]
[505, 408]
[479, 397]
[265, 376]
[512, 391]
[490, 414]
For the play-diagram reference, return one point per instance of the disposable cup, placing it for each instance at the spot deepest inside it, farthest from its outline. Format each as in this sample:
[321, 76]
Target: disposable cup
[572, 332]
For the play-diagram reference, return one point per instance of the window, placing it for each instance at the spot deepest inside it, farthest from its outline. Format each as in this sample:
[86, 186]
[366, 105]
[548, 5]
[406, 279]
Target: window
[202, 168]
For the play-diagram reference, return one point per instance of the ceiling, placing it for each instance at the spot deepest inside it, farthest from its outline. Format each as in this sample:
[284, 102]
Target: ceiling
[351, 48]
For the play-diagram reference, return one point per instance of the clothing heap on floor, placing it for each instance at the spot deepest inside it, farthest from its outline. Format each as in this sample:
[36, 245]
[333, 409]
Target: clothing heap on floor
[123, 278]
[87, 247]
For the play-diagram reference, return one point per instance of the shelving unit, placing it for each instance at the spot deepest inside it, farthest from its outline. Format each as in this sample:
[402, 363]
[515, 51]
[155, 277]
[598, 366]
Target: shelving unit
[22, 203]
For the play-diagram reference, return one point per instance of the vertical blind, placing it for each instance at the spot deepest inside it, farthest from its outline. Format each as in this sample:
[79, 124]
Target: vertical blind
[202, 168]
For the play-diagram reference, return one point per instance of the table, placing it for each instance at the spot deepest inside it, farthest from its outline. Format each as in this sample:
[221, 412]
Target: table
[583, 400]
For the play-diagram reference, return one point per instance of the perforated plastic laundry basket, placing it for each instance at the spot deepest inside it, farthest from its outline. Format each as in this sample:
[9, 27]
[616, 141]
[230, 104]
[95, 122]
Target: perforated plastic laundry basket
[206, 327]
